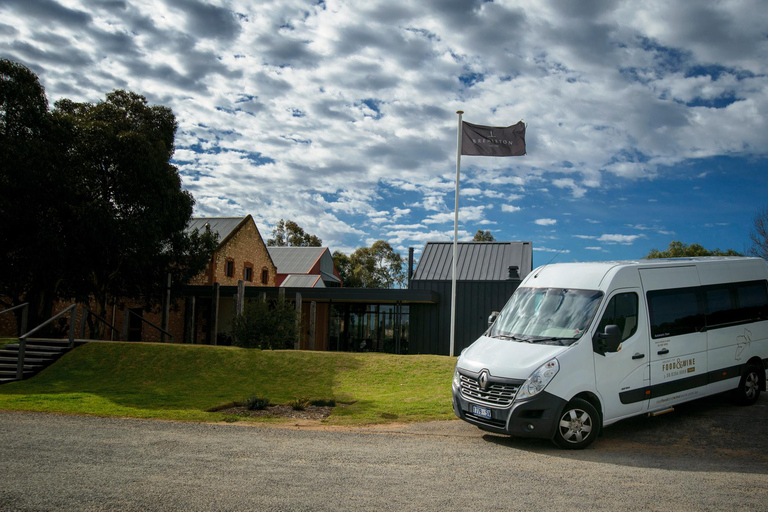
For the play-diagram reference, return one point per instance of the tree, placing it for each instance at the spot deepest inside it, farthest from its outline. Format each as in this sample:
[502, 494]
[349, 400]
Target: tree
[483, 236]
[129, 212]
[377, 266]
[680, 250]
[90, 205]
[33, 194]
[289, 234]
[759, 235]
[344, 267]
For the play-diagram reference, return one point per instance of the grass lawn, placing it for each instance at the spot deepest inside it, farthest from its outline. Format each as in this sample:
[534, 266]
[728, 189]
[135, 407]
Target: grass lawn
[182, 382]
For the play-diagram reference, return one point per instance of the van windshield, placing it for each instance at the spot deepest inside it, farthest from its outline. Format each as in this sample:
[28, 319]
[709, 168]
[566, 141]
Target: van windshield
[546, 315]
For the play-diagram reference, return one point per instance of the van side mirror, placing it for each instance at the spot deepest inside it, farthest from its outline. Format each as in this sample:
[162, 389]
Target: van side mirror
[607, 341]
[492, 318]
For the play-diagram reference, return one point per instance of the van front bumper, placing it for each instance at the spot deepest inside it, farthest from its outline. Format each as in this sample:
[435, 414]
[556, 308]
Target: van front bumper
[536, 417]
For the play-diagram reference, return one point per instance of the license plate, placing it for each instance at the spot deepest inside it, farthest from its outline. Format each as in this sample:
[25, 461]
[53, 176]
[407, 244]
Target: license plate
[483, 412]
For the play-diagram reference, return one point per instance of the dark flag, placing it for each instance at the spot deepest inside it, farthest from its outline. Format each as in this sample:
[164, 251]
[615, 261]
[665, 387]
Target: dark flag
[479, 140]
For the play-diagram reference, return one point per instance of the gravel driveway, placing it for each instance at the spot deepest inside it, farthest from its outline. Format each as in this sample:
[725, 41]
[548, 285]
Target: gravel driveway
[708, 455]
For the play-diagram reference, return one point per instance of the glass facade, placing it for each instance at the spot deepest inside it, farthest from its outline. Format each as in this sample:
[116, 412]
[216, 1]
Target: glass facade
[369, 328]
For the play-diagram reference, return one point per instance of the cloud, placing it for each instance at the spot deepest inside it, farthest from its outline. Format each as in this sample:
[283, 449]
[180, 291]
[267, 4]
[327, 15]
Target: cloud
[345, 112]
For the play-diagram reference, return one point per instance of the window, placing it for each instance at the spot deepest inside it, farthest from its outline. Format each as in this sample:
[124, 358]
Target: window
[264, 276]
[229, 268]
[621, 311]
[248, 273]
[735, 303]
[675, 312]
[687, 310]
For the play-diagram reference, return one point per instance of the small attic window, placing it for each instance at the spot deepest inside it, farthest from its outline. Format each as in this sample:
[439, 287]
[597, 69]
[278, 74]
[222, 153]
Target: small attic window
[229, 268]
[264, 276]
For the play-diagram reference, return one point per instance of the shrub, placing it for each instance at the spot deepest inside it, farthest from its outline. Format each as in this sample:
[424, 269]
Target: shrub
[255, 403]
[299, 404]
[323, 403]
[268, 325]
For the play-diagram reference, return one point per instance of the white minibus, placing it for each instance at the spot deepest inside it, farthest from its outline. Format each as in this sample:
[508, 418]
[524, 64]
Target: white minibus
[580, 346]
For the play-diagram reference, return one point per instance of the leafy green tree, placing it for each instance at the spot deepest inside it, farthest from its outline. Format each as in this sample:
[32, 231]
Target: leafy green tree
[759, 235]
[289, 234]
[90, 204]
[483, 236]
[377, 266]
[33, 194]
[680, 250]
[268, 325]
[344, 266]
[129, 211]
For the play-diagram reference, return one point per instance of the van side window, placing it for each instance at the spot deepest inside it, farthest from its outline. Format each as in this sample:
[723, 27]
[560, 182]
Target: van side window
[735, 303]
[753, 301]
[621, 311]
[675, 312]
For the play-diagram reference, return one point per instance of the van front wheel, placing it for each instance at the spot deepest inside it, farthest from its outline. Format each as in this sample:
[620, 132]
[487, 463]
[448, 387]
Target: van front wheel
[749, 386]
[578, 426]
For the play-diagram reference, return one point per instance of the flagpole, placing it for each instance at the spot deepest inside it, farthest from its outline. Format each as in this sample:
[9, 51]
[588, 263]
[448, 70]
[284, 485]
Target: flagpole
[455, 237]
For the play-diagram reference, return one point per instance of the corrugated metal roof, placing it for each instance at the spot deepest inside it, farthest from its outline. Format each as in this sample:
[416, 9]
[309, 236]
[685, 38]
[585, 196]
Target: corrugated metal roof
[302, 281]
[476, 261]
[295, 260]
[223, 226]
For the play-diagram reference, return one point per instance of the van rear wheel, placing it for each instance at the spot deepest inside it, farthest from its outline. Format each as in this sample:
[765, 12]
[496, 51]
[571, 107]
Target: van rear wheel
[578, 426]
[749, 386]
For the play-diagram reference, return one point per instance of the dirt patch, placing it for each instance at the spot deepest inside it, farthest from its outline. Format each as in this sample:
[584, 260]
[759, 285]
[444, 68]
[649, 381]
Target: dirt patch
[311, 412]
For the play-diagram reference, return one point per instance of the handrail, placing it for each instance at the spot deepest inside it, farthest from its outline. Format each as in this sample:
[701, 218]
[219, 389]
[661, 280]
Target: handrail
[103, 320]
[24, 313]
[125, 325]
[23, 338]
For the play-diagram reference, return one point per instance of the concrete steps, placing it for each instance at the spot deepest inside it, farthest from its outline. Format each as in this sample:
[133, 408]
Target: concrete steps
[39, 354]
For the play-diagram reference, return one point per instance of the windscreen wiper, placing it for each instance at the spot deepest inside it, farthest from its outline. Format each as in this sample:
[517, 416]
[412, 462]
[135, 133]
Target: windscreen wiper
[555, 338]
[511, 337]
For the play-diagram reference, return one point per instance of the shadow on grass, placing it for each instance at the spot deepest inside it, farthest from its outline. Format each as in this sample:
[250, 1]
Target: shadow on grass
[174, 377]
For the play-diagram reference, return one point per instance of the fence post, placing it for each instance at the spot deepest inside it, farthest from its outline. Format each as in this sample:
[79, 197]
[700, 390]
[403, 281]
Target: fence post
[24, 316]
[126, 321]
[190, 327]
[312, 317]
[215, 315]
[166, 309]
[20, 363]
[72, 320]
[82, 323]
[240, 297]
[297, 343]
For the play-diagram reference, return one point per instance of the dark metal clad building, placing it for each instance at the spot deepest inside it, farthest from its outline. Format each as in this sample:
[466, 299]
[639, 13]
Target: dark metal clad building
[487, 274]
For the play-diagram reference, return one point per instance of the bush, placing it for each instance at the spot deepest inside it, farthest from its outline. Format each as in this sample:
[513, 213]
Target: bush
[255, 403]
[323, 403]
[299, 404]
[268, 325]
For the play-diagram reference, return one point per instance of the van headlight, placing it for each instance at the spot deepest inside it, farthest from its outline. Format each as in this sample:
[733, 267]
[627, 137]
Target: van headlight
[456, 379]
[538, 380]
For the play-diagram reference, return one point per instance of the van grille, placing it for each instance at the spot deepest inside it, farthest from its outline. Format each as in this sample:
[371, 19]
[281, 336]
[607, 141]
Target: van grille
[497, 394]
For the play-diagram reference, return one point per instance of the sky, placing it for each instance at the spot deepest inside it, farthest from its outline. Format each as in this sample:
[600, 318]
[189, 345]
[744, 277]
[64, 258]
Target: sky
[646, 121]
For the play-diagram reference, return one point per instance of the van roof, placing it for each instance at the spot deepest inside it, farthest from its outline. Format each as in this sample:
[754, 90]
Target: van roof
[592, 275]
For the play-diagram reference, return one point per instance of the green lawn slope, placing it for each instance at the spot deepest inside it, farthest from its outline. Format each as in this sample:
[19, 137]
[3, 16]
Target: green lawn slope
[183, 382]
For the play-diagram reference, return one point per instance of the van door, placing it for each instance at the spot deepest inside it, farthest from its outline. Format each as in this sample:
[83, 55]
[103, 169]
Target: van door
[621, 377]
[676, 309]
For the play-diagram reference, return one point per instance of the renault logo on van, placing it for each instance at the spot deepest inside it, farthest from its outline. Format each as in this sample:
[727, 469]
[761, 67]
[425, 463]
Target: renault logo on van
[483, 380]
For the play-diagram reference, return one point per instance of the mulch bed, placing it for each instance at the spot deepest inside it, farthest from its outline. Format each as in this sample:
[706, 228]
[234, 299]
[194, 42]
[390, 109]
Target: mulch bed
[311, 412]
